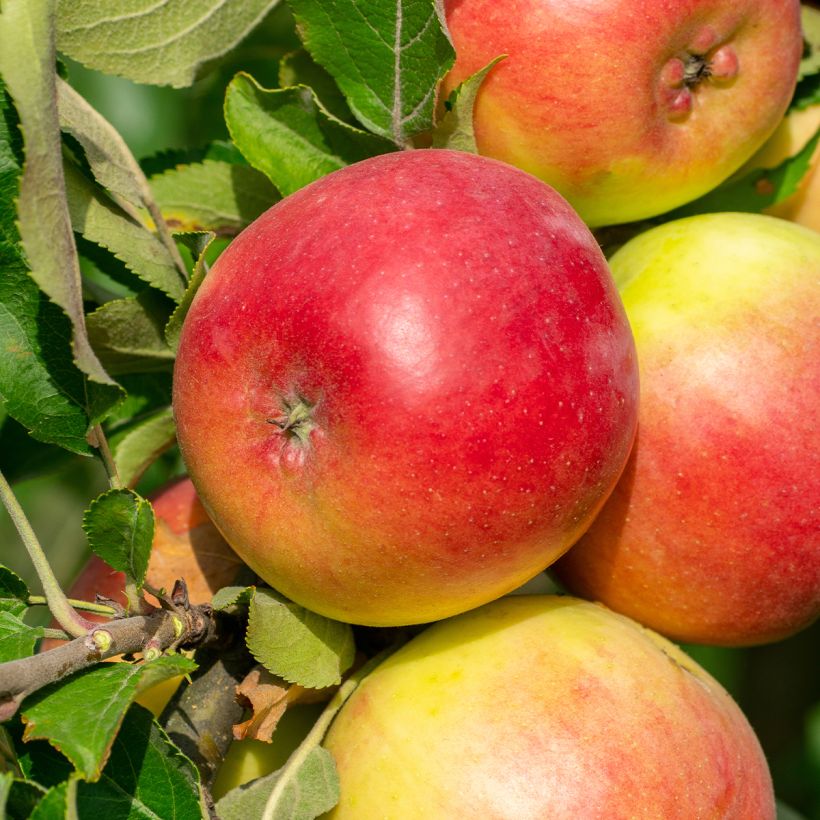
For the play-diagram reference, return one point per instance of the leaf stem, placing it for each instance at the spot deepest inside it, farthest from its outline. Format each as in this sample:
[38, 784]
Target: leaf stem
[99, 440]
[61, 609]
[86, 606]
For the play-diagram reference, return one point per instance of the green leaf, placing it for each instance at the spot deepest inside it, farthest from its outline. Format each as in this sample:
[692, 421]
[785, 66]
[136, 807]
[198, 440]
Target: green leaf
[37, 760]
[99, 220]
[212, 196]
[456, 127]
[163, 42]
[286, 134]
[129, 334]
[17, 640]
[59, 803]
[23, 799]
[81, 716]
[6, 779]
[120, 528]
[145, 777]
[387, 56]
[141, 444]
[232, 596]
[297, 644]
[310, 790]
[109, 158]
[27, 59]
[755, 191]
[810, 21]
[299, 68]
[13, 592]
[174, 327]
[42, 388]
[807, 93]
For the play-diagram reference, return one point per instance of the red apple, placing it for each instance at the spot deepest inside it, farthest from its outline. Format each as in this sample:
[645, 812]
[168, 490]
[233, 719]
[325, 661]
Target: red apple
[712, 534]
[628, 107]
[407, 388]
[545, 707]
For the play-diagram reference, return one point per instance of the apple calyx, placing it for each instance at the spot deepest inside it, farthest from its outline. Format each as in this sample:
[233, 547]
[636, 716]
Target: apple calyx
[297, 421]
[696, 68]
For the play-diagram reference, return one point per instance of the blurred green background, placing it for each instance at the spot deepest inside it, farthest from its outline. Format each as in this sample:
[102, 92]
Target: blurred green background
[777, 686]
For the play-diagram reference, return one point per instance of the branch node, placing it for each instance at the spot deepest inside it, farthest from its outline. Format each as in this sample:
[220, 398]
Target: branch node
[101, 640]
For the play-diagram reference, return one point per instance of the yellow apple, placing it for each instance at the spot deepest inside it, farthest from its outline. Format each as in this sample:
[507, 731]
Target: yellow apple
[545, 707]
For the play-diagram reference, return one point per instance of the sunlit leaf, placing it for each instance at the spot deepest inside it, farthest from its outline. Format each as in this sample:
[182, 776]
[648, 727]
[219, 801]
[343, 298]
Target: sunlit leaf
[82, 715]
[309, 790]
[120, 528]
[286, 134]
[164, 42]
[456, 127]
[212, 196]
[297, 644]
[387, 56]
[27, 59]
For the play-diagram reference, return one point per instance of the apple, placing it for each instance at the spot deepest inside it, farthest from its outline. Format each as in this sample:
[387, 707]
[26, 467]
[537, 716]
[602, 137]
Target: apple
[627, 108]
[711, 535]
[545, 707]
[407, 388]
[186, 545]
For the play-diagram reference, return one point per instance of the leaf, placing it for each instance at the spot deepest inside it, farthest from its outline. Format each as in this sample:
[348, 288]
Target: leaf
[37, 760]
[286, 134]
[232, 596]
[58, 803]
[13, 592]
[807, 93]
[308, 790]
[212, 196]
[27, 58]
[23, 799]
[39, 382]
[129, 334]
[135, 449]
[17, 639]
[110, 159]
[81, 716]
[297, 644]
[99, 220]
[163, 42]
[173, 328]
[146, 777]
[6, 779]
[456, 127]
[120, 528]
[267, 698]
[42, 388]
[757, 190]
[387, 56]
[299, 68]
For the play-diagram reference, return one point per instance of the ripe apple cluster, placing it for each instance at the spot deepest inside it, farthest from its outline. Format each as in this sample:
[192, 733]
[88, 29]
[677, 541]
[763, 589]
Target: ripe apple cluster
[413, 385]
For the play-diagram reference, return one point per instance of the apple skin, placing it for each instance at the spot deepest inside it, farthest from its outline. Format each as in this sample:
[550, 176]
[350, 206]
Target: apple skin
[471, 373]
[545, 707]
[590, 97]
[711, 535]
